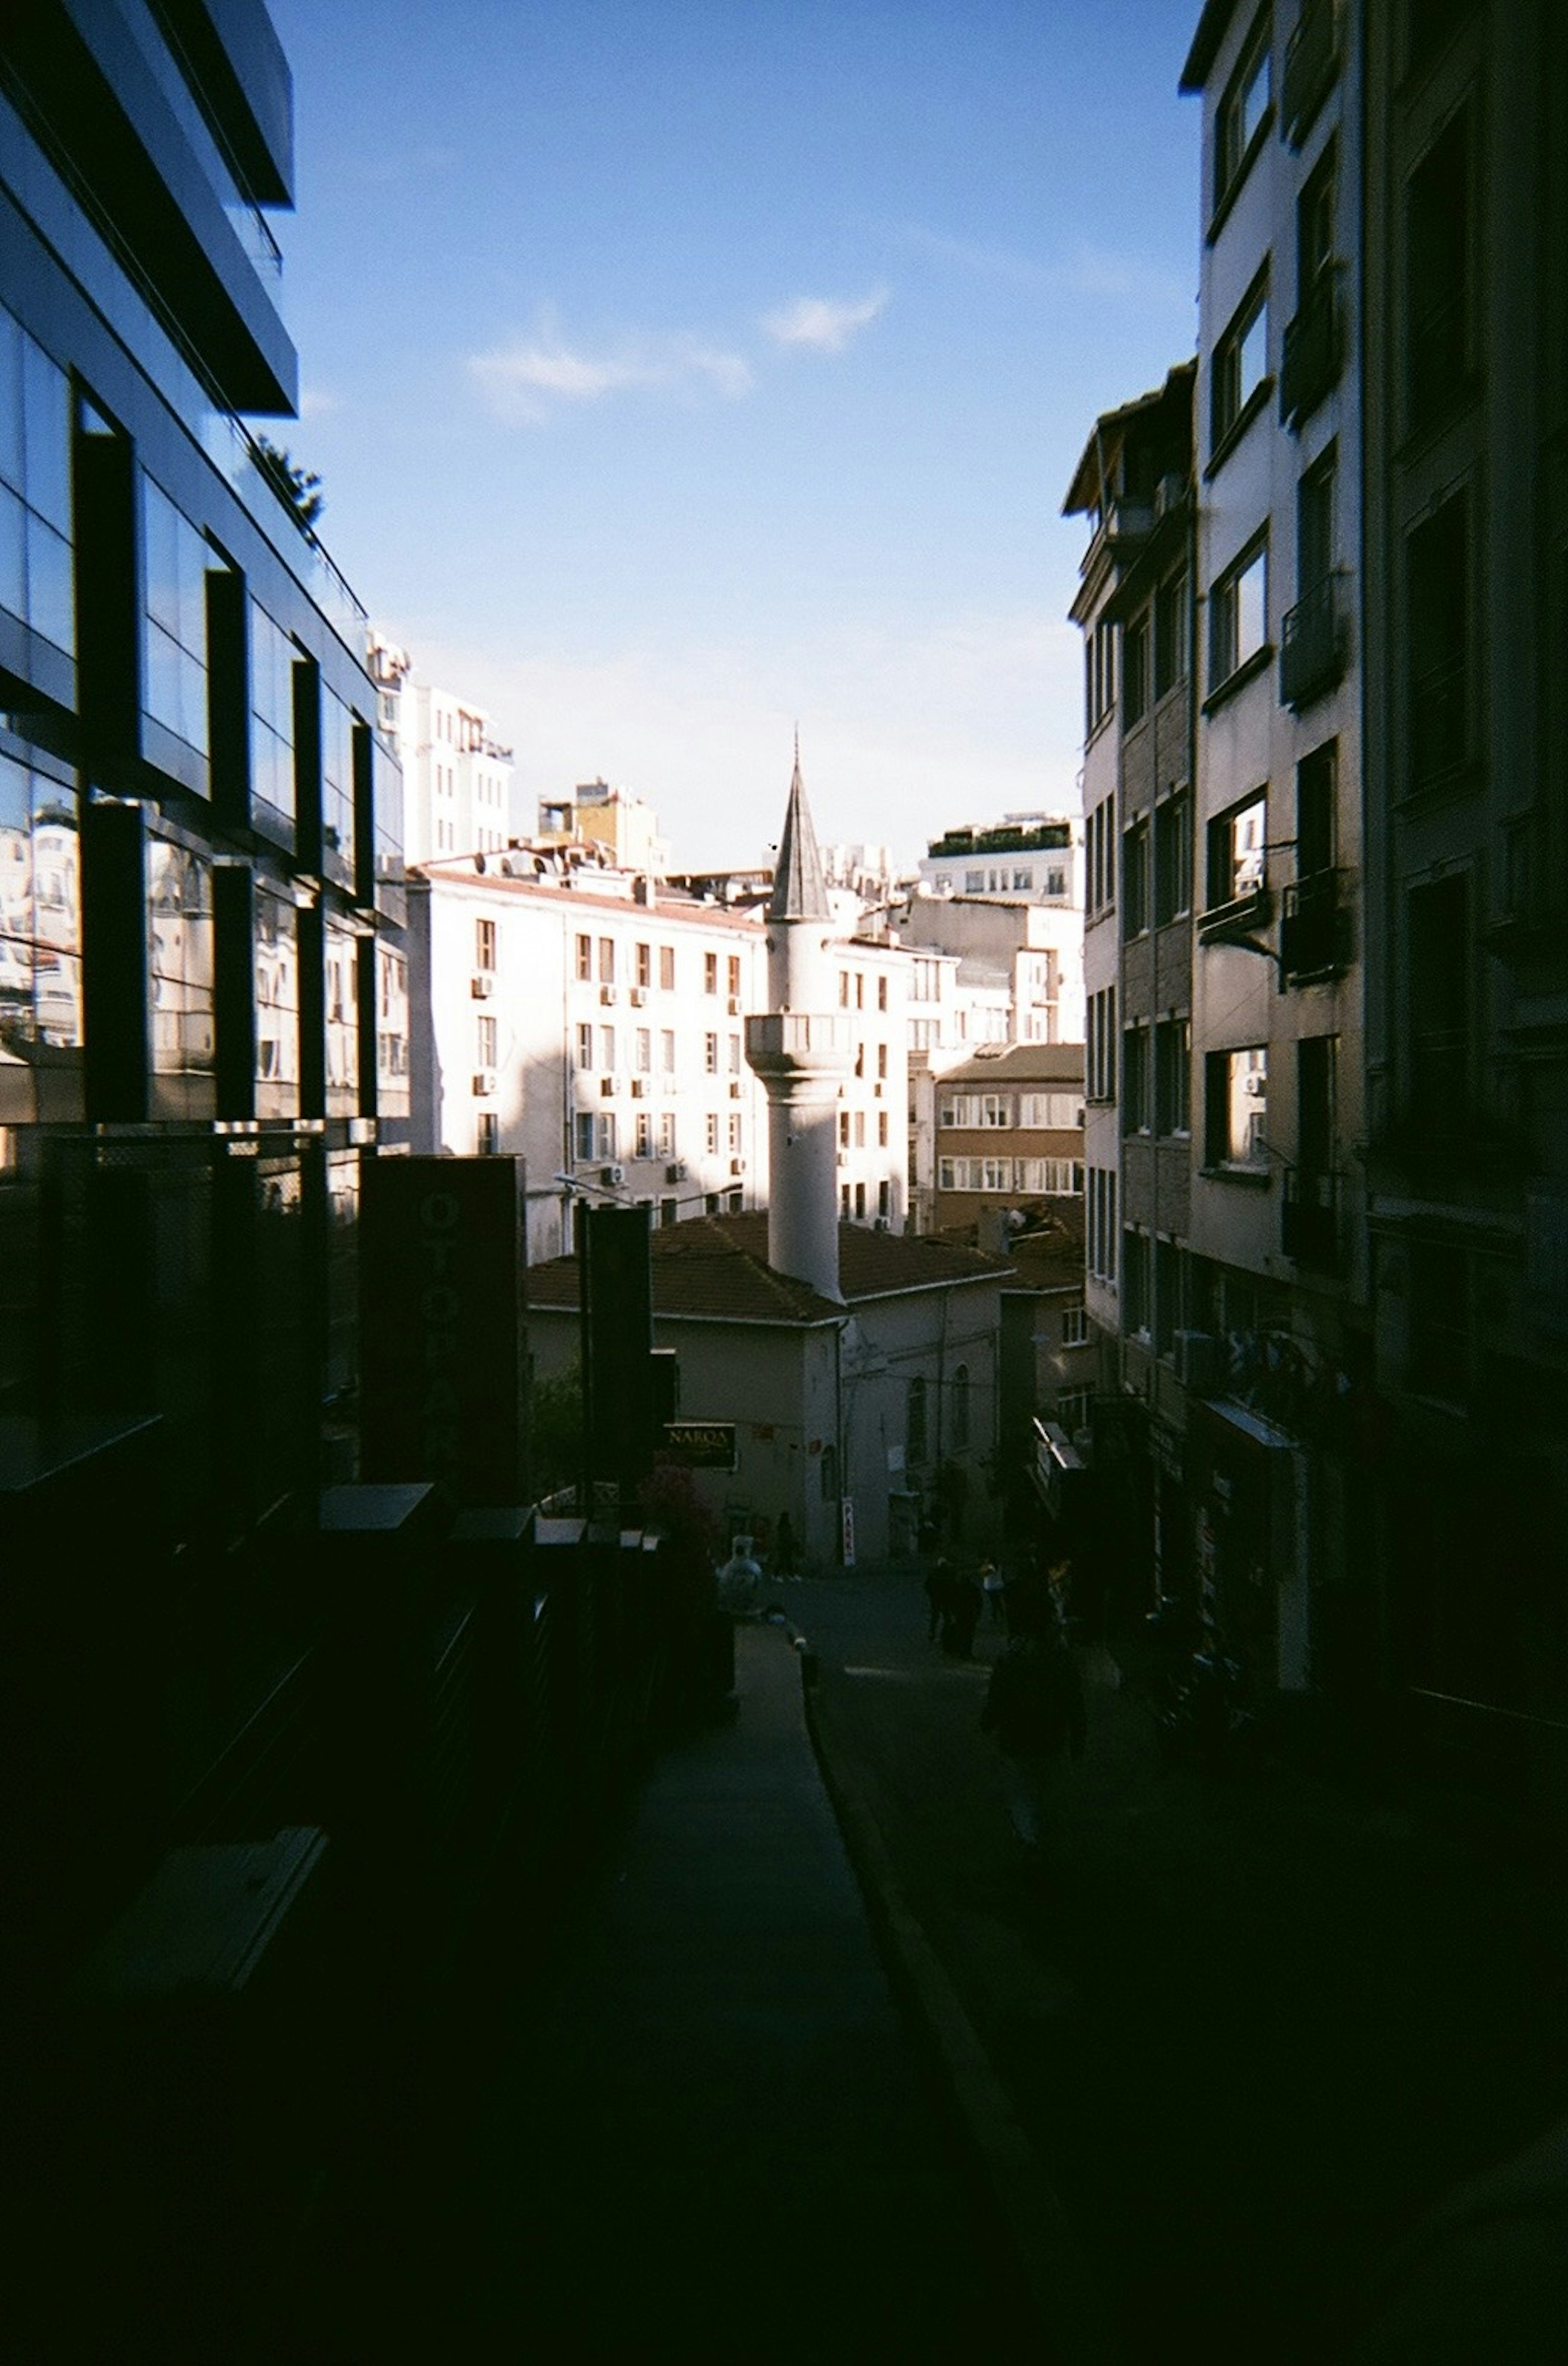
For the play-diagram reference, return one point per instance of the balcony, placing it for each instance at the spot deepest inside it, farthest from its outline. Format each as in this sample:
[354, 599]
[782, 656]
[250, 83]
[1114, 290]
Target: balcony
[1440, 726]
[1313, 644]
[1437, 359]
[1312, 61]
[1314, 352]
[1309, 1217]
[1315, 929]
[1251, 907]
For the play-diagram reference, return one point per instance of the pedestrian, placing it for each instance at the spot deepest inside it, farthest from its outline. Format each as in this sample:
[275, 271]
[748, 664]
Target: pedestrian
[963, 1615]
[938, 1591]
[993, 1586]
[784, 1559]
[1034, 1706]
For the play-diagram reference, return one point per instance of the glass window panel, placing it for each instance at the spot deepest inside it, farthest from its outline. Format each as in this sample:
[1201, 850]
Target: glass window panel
[1251, 620]
[51, 593]
[45, 429]
[11, 464]
[13, 553]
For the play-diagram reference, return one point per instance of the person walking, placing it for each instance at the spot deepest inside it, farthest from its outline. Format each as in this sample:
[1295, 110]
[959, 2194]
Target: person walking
[993, 1586]
[1034, 1706]
[938, 1591]
[963, 1615]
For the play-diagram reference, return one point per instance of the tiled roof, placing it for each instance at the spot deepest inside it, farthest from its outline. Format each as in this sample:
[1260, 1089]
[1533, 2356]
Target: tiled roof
[1021, 1063]
[679, 910]
[1052, 1258]
[717, 1267]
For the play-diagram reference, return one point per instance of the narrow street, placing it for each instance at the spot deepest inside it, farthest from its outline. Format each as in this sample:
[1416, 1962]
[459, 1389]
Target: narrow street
[1253, 2026]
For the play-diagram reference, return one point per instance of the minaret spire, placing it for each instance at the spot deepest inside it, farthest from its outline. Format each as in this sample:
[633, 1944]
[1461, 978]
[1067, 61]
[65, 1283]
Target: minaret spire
[801, 1050]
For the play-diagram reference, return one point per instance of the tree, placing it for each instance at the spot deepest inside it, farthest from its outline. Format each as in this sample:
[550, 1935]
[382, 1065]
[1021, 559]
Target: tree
[299, 489]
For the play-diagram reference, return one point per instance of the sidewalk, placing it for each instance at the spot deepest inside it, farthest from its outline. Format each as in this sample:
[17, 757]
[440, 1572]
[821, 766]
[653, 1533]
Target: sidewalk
[712, 2137]
[1253, 2027]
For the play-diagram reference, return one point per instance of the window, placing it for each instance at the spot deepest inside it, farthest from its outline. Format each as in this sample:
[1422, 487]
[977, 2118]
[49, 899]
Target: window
[1315, 797]
[666, 1133]
[1102, 1046]
[1316, 1060]
[1168, 1295]
[1438, 644]
[995, 1108]
[734, 974]
[1135, 879]
[1236, 1106]
[1238, 615]
[710, 972]
[843, 1128]
[642, 1135]
[1074, 1327]
[736, 1136]
[1099, 683]
[1170, 633]
[391, 1033]
[585, 1047]
[1439, 1005]
[484, 1042]
[1439, 300]
[1137, 1289]
[1238, 121]
[1241, 365]
[1173, 857]
[667, 1051]
[917, 1447]
[177, 558]
[710, 1054]
[1057, 1179]
[1136, 670]
[643, 957]
[974, 884]
[1102, 1223]
[735, 1055]
[272, 716]
[584, 958]
[859, 1135]
[1135, 1080]
[342, 1022]
[582, 1134]
[607, 1049]
[1315, 228]
[1051, 1112]
[881, 1129]
[667, 968]
[643, 1050]
[860, 1202]
[1173, 1049]
[1439, 1298]
[337, 789]
[1238, 860]
[882, 1062]
[275, 976]
[710, 1133]
[1102, 854]
[884, 1198]
[484, 945]
[1314, 526]
[606, 961]
[487, 1133]
[35, 490]
[882, 1003]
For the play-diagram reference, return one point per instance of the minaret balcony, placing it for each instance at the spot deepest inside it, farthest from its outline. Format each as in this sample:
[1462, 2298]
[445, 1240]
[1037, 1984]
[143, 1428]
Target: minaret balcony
[788, 1043]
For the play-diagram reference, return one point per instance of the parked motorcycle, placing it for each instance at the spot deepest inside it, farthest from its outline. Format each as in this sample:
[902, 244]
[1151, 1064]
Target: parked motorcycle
[1202, 1713]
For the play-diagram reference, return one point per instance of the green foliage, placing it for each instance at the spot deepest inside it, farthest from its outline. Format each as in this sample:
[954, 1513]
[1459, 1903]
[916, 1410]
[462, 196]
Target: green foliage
[299, 489]
[555, 1435]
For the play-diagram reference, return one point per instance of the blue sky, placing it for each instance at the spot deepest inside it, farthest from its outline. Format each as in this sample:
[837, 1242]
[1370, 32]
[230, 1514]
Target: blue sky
[680, 369]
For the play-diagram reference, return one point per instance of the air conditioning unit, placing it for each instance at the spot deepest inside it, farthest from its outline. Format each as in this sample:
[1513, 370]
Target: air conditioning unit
[1197, 1362]
[611, 1176]
[735, 1091]
[607, 994]
[676, 1171]
[733, 1006]
[483, 985]
[484, 1082]
[1255, 1083]
[609, 1084]
[843, 1157]
[639, 1088]
[738, 1167]
[637, 996]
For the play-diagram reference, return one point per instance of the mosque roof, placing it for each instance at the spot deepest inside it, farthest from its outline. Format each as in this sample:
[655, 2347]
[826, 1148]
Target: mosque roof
[800, 888]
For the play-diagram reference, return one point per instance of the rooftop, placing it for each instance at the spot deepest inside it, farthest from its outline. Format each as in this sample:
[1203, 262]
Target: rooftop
[717, 1268]
[1021, 1063]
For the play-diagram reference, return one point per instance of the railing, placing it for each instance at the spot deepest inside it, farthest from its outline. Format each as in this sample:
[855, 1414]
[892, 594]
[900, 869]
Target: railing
[1439, 723]
[1309, 1217]
[1311, 59]
[1312, 928]
[1312, 354]
[1313, 644]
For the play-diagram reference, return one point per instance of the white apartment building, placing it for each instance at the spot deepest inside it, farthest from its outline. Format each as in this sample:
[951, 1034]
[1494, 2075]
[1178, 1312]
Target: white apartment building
[592, 1024]
[1035, 855]
[457, 774]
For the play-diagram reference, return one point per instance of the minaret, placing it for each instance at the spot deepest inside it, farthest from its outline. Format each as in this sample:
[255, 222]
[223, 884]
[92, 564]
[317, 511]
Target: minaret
[801, 1050]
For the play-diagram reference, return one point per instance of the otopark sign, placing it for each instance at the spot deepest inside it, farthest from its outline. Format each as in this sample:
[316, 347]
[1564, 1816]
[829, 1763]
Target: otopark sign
[701, 1445]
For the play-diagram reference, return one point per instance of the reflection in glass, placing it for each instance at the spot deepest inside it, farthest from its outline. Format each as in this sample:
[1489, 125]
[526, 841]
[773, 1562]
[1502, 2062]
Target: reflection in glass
[179, 941]
[276, 958]
[41, 933]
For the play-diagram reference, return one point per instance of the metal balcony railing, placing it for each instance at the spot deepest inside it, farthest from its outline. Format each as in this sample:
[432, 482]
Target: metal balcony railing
[1314, 352]
[1309, 1217]
[1312, 61]
[1313, 644]
[1312, 928]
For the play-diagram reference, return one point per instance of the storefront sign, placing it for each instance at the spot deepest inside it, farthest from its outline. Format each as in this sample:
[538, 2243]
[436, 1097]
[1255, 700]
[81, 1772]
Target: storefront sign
[701, 1445]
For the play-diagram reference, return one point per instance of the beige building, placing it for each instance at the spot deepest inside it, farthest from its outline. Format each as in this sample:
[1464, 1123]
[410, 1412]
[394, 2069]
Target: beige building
[456, 773]
[1007, 1133]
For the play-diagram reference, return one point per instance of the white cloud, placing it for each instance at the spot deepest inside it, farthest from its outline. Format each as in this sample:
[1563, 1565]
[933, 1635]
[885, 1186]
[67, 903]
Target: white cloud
[822, 325]
[318, 402]
[522, 381]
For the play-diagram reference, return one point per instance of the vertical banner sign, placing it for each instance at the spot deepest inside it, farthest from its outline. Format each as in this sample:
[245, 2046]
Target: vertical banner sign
[847, 1531]
[442, 1264]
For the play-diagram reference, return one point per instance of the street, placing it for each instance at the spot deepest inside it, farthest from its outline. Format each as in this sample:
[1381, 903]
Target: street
[1253, 2025]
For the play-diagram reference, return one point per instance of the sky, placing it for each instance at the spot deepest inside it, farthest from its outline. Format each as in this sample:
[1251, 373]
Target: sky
[680, 371]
